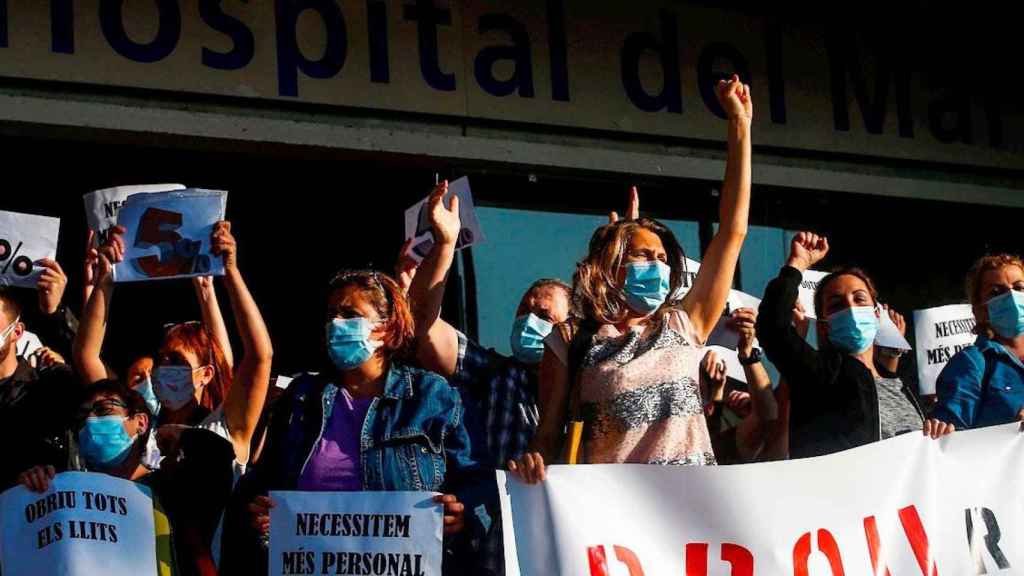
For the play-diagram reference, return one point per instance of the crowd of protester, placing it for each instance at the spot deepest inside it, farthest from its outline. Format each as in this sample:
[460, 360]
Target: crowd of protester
[611, 368]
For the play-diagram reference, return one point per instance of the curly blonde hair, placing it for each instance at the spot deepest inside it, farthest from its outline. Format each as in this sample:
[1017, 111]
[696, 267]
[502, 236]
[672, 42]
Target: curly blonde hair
[597, 295]
[972, 284]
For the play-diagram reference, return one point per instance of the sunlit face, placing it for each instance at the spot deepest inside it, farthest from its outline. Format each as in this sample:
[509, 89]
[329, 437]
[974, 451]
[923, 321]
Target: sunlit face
[844, 292]
[10, 332]
[996, 283]
[352, 301]
[643, 246]
[139, 371]
[549, 303]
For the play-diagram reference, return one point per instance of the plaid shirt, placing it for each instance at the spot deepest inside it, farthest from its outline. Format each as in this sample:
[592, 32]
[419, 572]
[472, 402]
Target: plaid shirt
[504, 395]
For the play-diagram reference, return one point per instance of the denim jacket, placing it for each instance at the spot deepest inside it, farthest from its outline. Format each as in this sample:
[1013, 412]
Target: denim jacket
[413, 437]
[982, 385]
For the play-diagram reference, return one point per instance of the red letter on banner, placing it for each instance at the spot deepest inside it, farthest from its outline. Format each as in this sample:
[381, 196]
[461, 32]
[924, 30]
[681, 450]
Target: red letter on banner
[599, 562]
[878, 566]
[826, 544]
[741, 560]
[918, 540]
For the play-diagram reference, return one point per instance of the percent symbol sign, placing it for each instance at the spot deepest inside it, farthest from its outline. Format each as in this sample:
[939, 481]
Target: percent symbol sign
[22, 264]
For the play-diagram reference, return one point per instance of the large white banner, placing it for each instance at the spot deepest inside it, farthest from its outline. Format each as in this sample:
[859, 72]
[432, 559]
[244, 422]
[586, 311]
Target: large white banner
[85, 524]
[940, 333]
[25, 239]
[384, 533]
[903, 507]
[168, 235]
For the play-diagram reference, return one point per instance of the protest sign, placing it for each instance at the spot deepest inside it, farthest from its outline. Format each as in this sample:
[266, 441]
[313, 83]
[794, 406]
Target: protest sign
[888, 335]
[102, 206]
[24, 240]
[939, 334]
[85, 524]
[168, 235]
[807, 287]
[905, 506]
[723, 334]
[28, 344]
[733, 368]
[379, 533]
[417, 221]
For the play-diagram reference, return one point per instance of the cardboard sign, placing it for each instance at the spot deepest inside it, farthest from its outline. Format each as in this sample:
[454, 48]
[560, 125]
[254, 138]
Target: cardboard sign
[24, 240]
[168, 235]
[102, 206]
[417, 221]
[940, 333]
[85, 524]
[355, 533]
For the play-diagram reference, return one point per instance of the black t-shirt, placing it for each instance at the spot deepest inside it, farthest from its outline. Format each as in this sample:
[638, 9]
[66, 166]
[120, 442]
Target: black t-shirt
[37, 407]
[193, 491]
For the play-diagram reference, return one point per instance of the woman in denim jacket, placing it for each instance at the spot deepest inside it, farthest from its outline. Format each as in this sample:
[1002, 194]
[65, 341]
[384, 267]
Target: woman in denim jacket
[369, 422]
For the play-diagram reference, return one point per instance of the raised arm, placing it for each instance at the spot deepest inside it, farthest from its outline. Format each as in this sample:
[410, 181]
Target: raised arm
[437, 342]
[244, 404]
[209, 307]
[782, 342]
[705, 302]
[92, 329]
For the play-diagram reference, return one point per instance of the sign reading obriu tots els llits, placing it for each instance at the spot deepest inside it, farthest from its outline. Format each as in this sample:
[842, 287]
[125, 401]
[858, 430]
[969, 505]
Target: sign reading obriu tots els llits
[167, 235]
[85, 524]
[379, 533]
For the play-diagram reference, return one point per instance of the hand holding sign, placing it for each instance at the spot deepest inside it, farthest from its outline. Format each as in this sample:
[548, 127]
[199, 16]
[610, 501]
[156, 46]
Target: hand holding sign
[25, 239]
[806, 250]
[422, 219]
[168, 235]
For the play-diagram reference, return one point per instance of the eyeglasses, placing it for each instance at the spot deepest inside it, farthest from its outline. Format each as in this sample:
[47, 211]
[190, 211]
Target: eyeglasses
[104, 407]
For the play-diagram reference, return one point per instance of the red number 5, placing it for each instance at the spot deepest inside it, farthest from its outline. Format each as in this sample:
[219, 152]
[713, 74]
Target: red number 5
[177, 255]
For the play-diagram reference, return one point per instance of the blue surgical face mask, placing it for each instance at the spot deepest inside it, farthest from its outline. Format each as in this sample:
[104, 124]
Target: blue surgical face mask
[349, 343]
[145, 388]
[103, 441]
[853, 330]
[528, 334]
[1006, 314]
[646, 285]
[175, 386]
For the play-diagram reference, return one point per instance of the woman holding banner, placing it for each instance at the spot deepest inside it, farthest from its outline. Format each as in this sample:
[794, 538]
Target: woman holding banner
[840, 398]
[983, 385]
[367, 421]
[631, 367]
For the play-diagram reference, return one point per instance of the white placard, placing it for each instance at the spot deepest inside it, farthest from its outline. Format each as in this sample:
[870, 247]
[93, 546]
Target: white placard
[922, 501]
[807, 288]
[939, 334]
[85, 524]
[723, 334]
[417, 221]
[102, 206]
[888, 335]
[733, 368]
[24, 240]
[28, 344]
[355, 533]
[168, 235]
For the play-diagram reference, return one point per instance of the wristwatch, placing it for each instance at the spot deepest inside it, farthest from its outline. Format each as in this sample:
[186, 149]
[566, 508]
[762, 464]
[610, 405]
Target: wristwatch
[755, 356]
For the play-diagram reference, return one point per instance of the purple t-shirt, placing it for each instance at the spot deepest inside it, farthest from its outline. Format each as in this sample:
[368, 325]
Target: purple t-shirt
[335, 464]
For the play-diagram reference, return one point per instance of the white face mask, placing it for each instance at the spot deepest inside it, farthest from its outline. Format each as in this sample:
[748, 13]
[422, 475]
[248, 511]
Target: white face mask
[174, 385]
[8, 331]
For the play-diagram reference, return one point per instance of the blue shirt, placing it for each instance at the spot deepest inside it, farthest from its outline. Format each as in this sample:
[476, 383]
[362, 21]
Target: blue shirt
[501, 394]
[966, 401]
